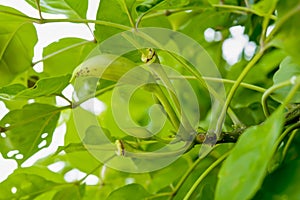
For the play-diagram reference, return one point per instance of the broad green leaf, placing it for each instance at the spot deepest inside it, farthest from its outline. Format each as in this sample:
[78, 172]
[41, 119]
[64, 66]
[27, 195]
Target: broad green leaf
[288, 68]
[17, 40]
[70, 8]
[265, 6]
[166, 176]
[9, 92]
[156, 5]
[72, 192]
[115, 179]
[78, 158]
[286, 37]
[129, 192]
[243, 172]
[52, 86]
[27, 130]
[41, 171]
[120, 16]
[62, 57]
[26, 186]
[282, 184]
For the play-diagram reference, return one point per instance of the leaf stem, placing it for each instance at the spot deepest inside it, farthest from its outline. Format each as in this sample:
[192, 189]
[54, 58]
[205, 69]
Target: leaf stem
[185, 176]
[268, 92]
[244, 9]
[284, 134]
[159, 195]
[97, 93]
[288, 143]
[127, 12]
[99, 22]
[85, 21]
[96, 168]
[222, 80]
[204, 174]
[39, 8]
[63, 50]
[234, 88]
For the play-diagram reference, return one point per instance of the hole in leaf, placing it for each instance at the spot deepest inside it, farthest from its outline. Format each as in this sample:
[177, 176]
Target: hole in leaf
[12, 153]
[39, 67]
[74, 175]
[129, 181]
[44, 135]
[42, 144]
[14, 190]
[30, 101]
[94, 106]
[19, 156]
[91, 180]
[7, 125]
[56, 167]
[3, 135]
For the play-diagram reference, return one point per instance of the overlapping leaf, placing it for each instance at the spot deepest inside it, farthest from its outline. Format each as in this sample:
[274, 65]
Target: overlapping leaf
[288, 69]
[288, 31]
[29, 183]
[63, 56]
[17, 40]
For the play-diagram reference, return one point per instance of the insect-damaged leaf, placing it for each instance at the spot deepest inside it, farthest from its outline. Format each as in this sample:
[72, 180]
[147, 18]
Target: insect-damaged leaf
[27, 130]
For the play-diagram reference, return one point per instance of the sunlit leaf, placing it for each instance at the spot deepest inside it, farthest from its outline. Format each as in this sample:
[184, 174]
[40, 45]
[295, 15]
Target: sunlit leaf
[70, 8]
[27, 130]
[46, 87]
[17, 40]
[120, 16]
[130, 192]
[62, 57]
[30, 183]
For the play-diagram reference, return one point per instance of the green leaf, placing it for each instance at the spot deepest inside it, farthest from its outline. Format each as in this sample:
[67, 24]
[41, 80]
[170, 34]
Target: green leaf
[287, 23]
[17, 40]
[63, 56]
[282, 184]
[265, 6]
[27, 186]
[166, 176]
[288, 68]
[52, 86]
[9, 92]
[120, 16]
[244, 170]
[129, 192]
[76, 153]
[27, 130]
[70, 8]
[72, 192]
